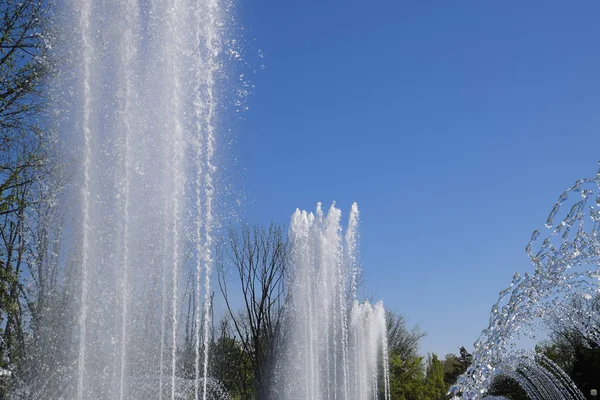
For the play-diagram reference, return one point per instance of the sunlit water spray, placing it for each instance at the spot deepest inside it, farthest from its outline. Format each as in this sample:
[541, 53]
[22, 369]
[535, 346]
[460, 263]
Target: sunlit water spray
[565, 280]
[336, 346]
[140, 125]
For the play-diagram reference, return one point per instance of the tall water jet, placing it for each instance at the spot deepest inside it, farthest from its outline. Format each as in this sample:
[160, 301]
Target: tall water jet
[336, 346]
[137, 119]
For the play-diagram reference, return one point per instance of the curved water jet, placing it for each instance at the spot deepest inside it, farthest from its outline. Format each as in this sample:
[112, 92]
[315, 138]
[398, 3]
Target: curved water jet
[567, 269]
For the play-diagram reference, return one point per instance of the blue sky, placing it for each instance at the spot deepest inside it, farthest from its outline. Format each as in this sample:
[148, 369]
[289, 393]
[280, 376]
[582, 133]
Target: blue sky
[454, 125]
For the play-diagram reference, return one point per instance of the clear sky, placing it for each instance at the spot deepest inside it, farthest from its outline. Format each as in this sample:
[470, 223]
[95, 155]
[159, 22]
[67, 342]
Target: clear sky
[454, 124]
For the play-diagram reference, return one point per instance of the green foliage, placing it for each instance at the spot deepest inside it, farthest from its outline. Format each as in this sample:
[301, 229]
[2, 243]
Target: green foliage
[455, 366]
[407, 375]
[232, 367]
[505, 386]
[407, 378]
[402, 340]
[435, 387]
[557, 352]
[450, 364]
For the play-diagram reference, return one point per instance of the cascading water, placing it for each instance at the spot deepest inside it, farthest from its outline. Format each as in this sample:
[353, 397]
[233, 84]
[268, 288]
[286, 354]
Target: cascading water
[140, 128]
[336, 346]
[566, 276]
[539, 377]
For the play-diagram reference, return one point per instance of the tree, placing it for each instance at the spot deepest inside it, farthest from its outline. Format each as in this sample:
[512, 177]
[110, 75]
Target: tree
[46, 299]
[406, 365]
[22, 156]
[576, 354]
[450, 364]
[230, 365]
[22, 68]
[575, 348]
[406, 378]
[402, 340]
[259, 258]
[455, 366]
[507, 387]
[435, 387]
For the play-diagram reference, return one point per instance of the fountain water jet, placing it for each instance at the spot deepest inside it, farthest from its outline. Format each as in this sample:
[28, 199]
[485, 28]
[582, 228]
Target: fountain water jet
[139, 122]
[337, 347]
[567, 272]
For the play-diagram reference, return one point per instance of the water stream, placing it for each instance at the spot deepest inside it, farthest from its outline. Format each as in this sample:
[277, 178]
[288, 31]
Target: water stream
[140, 129]
[337, 346]
[566, 277]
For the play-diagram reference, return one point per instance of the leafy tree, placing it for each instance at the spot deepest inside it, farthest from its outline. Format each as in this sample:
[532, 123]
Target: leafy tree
[435, 387]
[455, 366]
[450, 364]
[231, 365]
[406, 365]
[508, 387]
[402, 340]
[406, 378]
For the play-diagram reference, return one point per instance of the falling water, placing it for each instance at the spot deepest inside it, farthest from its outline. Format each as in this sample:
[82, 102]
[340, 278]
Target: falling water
[139, 125]
[337, 347]
[539, 377]
[84, 13]
[566, 276]
[125, 107]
